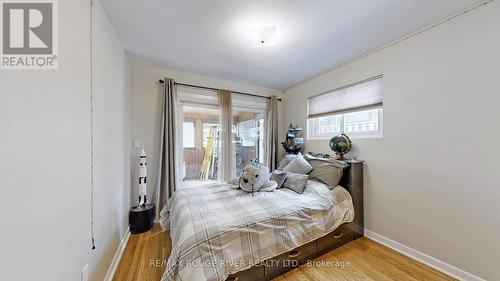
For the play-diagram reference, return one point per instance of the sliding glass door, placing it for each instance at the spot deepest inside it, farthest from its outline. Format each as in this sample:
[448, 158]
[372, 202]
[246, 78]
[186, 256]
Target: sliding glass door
[249, 136]
[200, 144]
[200, 123]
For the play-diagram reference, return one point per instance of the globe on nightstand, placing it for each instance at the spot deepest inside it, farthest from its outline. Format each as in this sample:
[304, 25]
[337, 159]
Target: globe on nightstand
[340, 145]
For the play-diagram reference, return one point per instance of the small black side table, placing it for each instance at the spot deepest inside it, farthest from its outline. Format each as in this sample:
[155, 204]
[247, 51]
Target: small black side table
[141, 218]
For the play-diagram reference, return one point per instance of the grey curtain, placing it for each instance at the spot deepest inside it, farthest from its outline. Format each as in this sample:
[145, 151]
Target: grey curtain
[227, 154]
[272, 133]
[166, 182]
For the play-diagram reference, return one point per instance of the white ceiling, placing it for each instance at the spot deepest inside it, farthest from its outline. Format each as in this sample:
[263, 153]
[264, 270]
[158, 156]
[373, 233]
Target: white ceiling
[209, 36]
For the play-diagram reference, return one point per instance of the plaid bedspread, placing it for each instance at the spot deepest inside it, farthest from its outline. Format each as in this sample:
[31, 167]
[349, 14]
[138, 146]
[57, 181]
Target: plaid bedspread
[217, 230]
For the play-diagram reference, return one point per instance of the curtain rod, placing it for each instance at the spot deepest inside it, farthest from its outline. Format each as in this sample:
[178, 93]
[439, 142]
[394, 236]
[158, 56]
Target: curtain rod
[214, 89]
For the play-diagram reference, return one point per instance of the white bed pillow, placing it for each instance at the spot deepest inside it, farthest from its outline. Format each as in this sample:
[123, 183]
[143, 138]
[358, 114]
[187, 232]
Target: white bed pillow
[299, 165]
[327, 171]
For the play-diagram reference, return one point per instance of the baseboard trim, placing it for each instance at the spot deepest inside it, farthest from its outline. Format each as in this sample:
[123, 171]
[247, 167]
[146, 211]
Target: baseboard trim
[118, 255]
[448, 269]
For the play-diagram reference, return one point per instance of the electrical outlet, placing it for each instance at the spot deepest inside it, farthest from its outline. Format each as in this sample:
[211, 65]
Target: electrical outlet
[84, 276]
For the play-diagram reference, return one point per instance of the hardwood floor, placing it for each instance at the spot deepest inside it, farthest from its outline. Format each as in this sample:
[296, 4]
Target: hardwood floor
[140, 259]
[145, 256]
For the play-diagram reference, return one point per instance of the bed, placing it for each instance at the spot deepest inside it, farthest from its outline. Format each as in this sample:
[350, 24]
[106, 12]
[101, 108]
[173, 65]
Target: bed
[220, 233]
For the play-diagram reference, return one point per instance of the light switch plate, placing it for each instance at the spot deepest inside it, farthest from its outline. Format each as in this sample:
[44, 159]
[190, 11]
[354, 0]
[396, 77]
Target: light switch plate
[137, 144]
[84, 276]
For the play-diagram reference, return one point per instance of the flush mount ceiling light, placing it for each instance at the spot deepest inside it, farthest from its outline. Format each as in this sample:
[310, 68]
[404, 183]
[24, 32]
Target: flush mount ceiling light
[263, 36]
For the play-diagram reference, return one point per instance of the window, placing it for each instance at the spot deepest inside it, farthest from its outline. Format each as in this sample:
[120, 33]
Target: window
[358, 124]
[206, 129]
[355, 110]
[188, 134]
[362, 121]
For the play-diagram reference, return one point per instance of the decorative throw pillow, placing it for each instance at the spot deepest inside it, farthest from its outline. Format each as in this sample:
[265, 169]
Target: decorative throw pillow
[279, 177]
[285, 161]
[296, 182]
[299, 165]
[327, 171]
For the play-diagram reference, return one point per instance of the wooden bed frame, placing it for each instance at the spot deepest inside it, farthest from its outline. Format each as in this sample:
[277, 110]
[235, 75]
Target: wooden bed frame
[352, 180]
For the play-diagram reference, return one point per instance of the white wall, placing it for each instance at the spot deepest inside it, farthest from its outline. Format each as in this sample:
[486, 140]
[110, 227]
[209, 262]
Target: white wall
[45, 146]
[146, 106]
[45, 143]
[112, 142]
[431, 183]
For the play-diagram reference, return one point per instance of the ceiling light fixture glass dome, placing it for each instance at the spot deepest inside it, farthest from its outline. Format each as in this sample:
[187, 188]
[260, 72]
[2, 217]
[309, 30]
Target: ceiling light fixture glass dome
[263, 36]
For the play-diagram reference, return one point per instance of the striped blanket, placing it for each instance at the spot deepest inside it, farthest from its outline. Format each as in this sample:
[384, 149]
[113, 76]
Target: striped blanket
[217, 230]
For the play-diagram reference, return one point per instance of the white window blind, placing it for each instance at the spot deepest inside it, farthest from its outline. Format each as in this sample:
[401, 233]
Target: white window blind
[362, 95]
